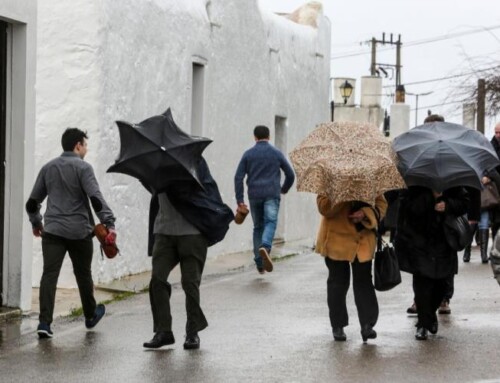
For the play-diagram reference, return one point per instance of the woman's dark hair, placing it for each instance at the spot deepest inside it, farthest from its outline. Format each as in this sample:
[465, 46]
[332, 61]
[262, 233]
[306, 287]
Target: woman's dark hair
[261, 132]
[71, 137]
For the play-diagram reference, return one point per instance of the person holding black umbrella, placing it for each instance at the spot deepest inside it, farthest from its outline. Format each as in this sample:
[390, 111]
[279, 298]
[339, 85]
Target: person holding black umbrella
[423, 250]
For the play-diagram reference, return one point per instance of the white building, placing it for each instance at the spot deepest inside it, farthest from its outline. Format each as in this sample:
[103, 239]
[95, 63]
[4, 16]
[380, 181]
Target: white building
[221, 66]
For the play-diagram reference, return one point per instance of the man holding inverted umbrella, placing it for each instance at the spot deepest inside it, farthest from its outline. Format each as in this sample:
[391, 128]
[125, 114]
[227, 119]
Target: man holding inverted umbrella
[349, 166]
[437, 160]
[187, 215]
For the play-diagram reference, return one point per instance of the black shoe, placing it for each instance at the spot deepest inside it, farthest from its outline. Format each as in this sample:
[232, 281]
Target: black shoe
[412, 309]
[192, 342]
[367, 332]
[467, 252]
[421, 333]
[434, 328]
[160, 339]
[99, 313]
[44, 331]
[339, 334]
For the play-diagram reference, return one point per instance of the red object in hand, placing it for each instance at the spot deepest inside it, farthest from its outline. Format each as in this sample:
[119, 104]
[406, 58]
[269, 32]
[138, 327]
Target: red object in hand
[105, 235]
[111, 237]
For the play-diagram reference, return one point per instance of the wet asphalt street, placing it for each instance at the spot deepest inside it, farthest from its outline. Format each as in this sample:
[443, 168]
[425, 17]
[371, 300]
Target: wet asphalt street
[271, 328]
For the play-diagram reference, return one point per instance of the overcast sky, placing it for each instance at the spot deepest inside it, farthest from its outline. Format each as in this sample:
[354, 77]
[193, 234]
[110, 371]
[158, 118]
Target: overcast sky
[356, 21]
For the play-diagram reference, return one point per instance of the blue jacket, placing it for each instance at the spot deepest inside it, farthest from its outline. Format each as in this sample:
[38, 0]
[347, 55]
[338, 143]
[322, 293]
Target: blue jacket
[261, 165]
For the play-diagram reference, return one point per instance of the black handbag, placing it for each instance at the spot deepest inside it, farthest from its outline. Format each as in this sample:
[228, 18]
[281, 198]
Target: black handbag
[458, 232]
[386, 269]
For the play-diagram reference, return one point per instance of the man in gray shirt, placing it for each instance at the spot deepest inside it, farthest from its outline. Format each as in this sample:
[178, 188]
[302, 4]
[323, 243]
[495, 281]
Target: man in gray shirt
[68, 182]
[177, 241]
[187, 220]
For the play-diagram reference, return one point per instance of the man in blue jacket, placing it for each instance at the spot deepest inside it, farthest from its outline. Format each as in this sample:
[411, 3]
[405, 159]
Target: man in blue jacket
[262, 165]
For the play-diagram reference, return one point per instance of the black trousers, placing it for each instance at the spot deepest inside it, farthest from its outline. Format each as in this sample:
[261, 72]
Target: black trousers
[429, 293]
[190, 251]
[54, 249]
[450, 288]
[364, 293]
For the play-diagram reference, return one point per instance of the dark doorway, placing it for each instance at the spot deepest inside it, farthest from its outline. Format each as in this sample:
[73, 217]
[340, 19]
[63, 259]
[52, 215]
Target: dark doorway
[3, 118]
[198, 99]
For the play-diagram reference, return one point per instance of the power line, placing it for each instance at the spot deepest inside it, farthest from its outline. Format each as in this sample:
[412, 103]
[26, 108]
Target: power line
[445, 78]
[442, 104]
[423, 41]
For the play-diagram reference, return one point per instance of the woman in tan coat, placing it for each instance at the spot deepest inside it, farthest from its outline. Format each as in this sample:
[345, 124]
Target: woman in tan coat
[347, 237]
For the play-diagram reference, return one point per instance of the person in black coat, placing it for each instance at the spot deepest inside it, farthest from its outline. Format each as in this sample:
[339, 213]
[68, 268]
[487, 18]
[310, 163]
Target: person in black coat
[495, 213]
[486, 216]
[422, 248]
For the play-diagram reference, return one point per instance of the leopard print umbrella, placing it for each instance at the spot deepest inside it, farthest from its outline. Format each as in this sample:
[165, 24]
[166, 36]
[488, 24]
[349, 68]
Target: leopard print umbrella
[346, 161]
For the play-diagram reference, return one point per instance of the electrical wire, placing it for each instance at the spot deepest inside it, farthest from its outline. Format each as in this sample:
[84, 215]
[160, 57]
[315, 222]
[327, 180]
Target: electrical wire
[420, 42]
[444, 78]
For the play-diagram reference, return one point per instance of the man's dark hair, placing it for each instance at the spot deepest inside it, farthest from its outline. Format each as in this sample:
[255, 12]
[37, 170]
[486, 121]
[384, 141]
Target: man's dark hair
[71, 137]
[433, 118]
[261, 132]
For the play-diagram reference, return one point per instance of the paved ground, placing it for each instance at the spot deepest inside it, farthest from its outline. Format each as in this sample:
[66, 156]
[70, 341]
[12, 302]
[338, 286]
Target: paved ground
[271, 328]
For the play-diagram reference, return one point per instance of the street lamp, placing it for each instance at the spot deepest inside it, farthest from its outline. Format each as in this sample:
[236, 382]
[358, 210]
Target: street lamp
[345, 91]
[416, 102]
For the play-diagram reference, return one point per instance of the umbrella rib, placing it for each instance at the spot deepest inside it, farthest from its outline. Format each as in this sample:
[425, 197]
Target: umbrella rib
[418, 156]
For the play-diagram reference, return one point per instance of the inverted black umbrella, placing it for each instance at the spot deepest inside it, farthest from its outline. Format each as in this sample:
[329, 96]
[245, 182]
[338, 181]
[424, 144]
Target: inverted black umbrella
[441, 155]
[158, 153]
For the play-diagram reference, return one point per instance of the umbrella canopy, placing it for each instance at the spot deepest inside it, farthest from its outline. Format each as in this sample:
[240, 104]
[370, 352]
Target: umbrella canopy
[347, 161]
[441, 155]
[158, 153]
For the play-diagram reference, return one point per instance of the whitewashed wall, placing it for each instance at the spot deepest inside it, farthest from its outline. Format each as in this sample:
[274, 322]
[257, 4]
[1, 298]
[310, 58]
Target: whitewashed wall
[129, 60]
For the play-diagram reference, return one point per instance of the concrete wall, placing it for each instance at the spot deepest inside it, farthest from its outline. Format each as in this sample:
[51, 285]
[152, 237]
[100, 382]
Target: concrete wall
[129, 60]
[369, 110]
[20, 130]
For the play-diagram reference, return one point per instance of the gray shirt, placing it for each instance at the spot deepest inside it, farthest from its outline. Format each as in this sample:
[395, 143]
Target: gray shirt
[170, 222]
[68, 182]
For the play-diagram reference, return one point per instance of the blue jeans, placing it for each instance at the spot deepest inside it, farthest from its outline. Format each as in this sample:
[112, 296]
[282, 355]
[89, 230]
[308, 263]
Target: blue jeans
[265, 218]
[484, 222]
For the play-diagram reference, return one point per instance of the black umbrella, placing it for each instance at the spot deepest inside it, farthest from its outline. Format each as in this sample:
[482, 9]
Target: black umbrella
[158, 153]
[441, 155]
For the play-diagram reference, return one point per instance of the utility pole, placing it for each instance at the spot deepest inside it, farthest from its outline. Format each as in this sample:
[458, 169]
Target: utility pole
[373, 68]
[398, 60]
[481, 104]
[397, 66]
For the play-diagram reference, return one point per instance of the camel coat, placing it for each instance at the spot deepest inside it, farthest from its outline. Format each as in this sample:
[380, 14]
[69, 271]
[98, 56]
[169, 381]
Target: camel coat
[339, 239]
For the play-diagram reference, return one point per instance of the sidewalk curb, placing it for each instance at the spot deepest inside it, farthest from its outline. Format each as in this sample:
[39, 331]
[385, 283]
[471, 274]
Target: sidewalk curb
[8, 313]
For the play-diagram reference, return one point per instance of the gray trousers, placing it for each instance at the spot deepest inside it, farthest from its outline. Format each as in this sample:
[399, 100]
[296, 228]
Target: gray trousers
[190, 251]
[54, 250]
